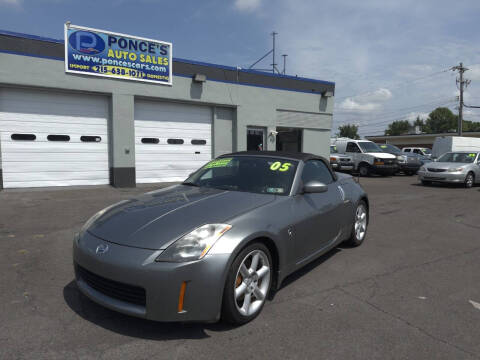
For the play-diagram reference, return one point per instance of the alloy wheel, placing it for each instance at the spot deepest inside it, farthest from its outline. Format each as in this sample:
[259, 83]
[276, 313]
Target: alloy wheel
[469, 181]
[252, 283]
[360, 222]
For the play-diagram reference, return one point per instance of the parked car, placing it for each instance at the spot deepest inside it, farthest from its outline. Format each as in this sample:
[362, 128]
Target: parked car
[418, 150]
[444, 144]
[407, 163]
[340, 162]
[367, 157]
[215, 245]
[453, 167]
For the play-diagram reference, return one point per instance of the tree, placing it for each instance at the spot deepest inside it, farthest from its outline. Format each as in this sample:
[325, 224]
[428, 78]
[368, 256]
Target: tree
[398, 127]
[349, 131]
[441, 120]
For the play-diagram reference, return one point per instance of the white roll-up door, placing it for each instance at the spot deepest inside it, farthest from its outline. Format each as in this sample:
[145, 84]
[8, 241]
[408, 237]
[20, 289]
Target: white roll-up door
[171, 140]
[53, 138]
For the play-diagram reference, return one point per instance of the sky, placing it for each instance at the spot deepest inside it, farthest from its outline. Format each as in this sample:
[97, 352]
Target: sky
[390, 59]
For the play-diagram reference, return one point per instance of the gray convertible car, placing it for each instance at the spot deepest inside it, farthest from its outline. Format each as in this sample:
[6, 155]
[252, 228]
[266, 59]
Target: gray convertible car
[216, 245]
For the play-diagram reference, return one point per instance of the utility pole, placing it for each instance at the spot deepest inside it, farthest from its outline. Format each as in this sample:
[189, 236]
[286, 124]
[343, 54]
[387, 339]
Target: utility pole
[463, 84]
[274, 65]
[284, 62]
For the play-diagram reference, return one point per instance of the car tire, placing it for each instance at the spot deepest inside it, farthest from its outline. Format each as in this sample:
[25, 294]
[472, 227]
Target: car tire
[409, 173]
[469, 180]
[246, 290]
[364, 170]
[360, 225]
[426, 183]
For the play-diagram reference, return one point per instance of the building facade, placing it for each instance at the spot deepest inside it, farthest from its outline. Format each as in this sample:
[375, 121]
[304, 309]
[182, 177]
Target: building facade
[414, 140]
[62, 129]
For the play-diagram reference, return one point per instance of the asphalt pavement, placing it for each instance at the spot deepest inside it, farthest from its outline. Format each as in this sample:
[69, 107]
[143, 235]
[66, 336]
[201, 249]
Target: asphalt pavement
[411, 291]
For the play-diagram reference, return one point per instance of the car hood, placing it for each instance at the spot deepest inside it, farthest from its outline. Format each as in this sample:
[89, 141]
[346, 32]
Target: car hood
[445, 165]
[382, 155]
[153, 220]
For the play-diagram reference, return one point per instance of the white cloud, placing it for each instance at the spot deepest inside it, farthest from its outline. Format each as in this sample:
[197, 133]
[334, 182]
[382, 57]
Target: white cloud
[366, 102]
[413, 116]
[247, 5]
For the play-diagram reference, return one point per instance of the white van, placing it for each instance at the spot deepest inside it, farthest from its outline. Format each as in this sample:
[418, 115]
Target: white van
[367, 156]
[444, 144]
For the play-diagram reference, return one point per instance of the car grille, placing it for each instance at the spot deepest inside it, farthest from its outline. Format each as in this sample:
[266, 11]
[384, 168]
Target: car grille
[114, 289]
[345, 160]
[388, 161]
[413, 160]
[436, 170]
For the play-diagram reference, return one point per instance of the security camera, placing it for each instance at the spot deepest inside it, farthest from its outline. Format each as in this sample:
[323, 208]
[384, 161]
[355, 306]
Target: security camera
[274, 133]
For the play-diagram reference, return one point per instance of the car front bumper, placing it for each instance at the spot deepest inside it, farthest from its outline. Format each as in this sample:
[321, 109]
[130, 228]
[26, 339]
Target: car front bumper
[448, 177]
[408, 167]
[384, 169]
[115, 277]
[342, 166]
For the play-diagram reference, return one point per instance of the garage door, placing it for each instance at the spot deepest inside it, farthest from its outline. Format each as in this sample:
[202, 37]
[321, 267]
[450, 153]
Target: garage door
[53, 139]
[171, 140]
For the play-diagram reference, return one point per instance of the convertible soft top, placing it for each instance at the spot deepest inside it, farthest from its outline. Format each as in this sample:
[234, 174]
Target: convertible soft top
[288, 155]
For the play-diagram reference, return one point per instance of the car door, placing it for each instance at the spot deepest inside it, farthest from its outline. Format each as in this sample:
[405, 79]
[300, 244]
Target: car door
[477, 169]
[354, 151]
[319, 224]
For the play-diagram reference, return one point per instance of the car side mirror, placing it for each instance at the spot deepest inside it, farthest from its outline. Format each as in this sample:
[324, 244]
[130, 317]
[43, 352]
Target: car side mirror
[313, 187]
[434, 159]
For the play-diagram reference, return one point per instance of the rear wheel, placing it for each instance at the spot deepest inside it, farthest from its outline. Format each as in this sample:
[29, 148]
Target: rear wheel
[248, 284]
[359, 228]
[469, 180]
[364, 170]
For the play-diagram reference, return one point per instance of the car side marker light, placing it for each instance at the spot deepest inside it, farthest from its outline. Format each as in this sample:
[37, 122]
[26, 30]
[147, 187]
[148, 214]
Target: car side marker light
[181, 296]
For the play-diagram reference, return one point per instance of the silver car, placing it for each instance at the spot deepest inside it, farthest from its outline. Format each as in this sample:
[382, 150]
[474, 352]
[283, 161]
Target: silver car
[218, 244]
[462, 167]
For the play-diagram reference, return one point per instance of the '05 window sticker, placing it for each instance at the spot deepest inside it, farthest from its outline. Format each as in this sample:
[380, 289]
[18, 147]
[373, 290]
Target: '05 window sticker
[472, 155]
[278, 166]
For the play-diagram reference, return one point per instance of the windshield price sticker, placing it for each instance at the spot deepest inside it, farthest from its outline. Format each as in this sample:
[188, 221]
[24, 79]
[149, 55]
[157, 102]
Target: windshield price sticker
[277, 165]
[472, 155]
[218, 163]
[383, 146]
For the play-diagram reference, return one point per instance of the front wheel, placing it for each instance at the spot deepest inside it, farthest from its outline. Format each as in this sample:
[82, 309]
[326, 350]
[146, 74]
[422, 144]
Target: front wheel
[469, 180]
[248, 284]
[364, 170]
[359, 228]
[426, 183]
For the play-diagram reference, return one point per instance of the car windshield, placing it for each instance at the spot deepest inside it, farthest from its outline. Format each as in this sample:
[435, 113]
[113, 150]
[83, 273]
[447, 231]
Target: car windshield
[388, 148]
[368, 146]
[456, 157]
[333, 149]
[255, 174]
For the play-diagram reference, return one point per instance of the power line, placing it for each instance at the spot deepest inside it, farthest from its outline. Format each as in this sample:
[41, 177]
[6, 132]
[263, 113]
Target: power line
[403, 83]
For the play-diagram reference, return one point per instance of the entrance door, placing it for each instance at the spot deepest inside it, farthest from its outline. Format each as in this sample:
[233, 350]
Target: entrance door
[256, 139]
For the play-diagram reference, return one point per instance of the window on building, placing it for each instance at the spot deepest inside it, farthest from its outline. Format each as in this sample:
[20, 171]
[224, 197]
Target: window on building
[88, 138]
[23, 137]
[150, 140]
[175, 141]
[198, 142]
[58, 138]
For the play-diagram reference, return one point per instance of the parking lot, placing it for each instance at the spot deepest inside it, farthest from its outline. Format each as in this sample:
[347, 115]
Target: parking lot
[412, 290]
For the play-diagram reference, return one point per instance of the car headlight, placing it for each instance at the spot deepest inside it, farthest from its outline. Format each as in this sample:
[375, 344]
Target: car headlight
[402, 158]
[423, 168]
[195, 245]
[455, 169]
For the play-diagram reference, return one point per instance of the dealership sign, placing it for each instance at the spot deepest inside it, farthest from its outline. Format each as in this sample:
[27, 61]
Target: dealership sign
[102, 53]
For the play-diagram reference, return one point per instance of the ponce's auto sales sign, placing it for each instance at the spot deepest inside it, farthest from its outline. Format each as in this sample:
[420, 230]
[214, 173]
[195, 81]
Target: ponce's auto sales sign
[107, 54]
